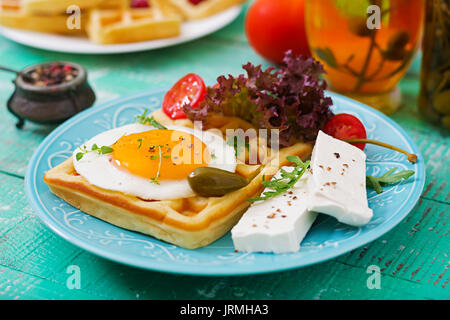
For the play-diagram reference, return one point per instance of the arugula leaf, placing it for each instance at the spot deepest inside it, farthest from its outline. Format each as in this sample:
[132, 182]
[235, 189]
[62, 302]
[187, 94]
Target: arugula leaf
[388, 178]
[286, 182]
[144, 119]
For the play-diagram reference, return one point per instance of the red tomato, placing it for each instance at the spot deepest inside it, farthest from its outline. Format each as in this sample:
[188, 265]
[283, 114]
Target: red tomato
[345, 126]
[275, 26]
[189, 89]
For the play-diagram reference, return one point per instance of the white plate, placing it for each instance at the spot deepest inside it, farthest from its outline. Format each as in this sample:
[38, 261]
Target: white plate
[189, 31]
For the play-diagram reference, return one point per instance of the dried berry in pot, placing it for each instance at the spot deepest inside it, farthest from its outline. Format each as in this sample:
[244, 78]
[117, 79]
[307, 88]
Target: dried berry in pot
[51, 75]
[50, 93]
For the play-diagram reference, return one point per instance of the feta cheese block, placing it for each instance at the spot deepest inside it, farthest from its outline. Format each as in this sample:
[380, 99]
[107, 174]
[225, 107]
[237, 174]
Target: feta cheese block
[277, 224]
[337, 185]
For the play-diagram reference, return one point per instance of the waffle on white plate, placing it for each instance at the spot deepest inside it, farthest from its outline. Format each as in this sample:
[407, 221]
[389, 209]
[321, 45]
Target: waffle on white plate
[56, 7]
[109, 21]
[111, 26]
[15, 14]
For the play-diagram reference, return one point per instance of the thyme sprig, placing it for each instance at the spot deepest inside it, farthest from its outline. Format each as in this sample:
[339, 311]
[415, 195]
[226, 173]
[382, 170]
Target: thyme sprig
[285, 182]
[158, 174]
[144, 119]
[387, 178]
[100, 150]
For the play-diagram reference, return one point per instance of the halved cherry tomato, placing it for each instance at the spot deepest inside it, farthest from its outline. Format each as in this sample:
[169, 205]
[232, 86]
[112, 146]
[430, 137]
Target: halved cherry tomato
[189, 89]
[345, 126]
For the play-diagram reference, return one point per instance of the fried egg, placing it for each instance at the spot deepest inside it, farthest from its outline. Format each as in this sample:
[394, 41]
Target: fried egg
[151, 163]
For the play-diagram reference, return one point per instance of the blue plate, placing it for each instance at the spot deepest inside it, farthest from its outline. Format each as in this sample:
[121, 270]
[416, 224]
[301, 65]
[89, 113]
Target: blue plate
[327, 238]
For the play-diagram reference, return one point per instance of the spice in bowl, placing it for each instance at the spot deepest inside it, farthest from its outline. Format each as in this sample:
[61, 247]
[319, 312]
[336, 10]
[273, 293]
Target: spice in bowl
[51, 74]
[50, 92]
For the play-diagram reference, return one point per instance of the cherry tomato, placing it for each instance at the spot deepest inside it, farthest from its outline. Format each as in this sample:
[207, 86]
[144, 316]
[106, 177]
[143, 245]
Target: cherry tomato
[189, 89]
[345, 126]
[275, 26]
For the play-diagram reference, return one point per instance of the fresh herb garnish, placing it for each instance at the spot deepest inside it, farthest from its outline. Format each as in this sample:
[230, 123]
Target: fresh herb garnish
[238, 143]
[140, 143]
[144, 119]
[155, 180]
[100, 150]
[158, 174]
[286, 182]
[388, 178]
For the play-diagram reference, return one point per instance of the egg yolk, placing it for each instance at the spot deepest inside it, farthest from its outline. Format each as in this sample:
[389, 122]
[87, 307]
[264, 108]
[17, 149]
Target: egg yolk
[160, 154]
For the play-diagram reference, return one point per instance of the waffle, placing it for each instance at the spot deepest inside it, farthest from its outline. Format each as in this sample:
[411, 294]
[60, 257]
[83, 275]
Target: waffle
[114, 4]
[56, 7]
[189, 222]
[109, 26]
[14, 15]
[203, 9]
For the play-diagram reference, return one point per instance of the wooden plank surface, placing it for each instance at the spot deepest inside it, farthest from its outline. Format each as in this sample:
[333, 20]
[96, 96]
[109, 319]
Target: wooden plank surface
[413, 257]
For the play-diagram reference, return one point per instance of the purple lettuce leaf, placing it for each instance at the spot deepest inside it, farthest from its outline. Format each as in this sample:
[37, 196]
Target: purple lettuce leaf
[291, 99]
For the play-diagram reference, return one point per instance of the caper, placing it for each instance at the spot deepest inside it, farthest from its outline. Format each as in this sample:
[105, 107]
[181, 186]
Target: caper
[432, 80]
[446, 122]
[213, 182]
[441, 102]
[427, 111]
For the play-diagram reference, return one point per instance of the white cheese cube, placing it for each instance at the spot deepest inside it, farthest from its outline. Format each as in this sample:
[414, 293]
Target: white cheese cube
[337, 185]
[277, 224]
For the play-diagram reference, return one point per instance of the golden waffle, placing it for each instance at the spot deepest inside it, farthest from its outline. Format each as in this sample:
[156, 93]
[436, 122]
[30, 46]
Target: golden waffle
[13, 15]
[114, 4]
[107, 26]
[56, 7]
[203, 9]
[189, 222]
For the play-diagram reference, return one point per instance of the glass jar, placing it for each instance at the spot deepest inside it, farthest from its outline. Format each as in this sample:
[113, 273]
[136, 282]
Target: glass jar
[434, 97]
[364, 59]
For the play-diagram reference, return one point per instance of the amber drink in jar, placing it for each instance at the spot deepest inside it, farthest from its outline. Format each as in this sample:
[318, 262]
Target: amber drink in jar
[366, 46]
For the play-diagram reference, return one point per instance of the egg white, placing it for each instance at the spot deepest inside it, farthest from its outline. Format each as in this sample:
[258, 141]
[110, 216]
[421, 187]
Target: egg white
[98, 170]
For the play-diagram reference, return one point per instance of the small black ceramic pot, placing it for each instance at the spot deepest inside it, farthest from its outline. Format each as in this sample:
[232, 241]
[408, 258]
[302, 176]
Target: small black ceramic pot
[51, 104]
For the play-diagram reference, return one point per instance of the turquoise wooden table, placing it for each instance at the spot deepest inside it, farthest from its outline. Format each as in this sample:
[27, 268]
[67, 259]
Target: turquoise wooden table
[413, 257]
